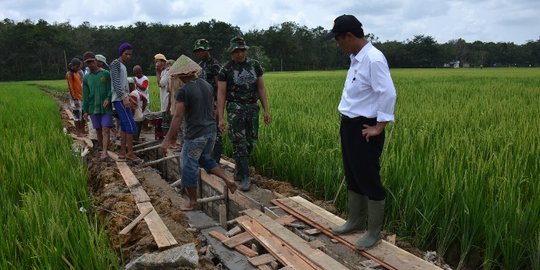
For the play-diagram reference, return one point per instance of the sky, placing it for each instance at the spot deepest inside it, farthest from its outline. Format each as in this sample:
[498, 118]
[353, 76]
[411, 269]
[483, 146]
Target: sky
[390, 20]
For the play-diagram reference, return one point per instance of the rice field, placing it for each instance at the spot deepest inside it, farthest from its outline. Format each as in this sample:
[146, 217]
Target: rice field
[461, 163]
[47, 218]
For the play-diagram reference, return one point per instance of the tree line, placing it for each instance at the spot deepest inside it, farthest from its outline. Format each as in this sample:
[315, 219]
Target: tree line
[41, 50]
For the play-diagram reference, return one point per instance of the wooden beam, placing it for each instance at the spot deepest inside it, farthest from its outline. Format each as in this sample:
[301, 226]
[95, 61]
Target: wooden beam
[240, 248]
[135, 221]
[238, 239]
[227, 163]
[386, 254]
[157, 161]
[127, 174]
[320, 258]
[281, 251]
[238, 197]
[139, 195]
[160, 232]
[261, 259]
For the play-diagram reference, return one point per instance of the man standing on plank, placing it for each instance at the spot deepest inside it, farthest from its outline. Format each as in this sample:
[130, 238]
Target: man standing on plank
[366, 106]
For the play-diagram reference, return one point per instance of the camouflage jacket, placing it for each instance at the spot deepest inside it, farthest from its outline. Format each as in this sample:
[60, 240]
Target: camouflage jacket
[210, 69]
[241, 80]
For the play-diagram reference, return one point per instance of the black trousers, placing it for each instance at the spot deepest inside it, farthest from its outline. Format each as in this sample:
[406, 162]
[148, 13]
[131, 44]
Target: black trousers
[361, 159]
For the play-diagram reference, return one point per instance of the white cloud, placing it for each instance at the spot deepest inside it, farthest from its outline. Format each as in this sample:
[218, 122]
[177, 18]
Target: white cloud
[485, 20]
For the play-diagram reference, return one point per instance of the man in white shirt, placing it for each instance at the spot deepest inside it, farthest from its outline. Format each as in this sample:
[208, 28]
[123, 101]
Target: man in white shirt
[366, 106]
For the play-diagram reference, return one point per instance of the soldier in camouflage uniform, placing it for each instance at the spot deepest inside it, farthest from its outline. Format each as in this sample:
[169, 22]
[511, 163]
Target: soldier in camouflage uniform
[241, 84]
[210, 70]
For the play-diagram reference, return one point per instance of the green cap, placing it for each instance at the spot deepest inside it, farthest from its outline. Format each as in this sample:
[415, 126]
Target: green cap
[201, 44]
[237, 42]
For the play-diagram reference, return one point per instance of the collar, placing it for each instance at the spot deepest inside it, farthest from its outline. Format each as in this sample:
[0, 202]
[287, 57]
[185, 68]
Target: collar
[362, 53]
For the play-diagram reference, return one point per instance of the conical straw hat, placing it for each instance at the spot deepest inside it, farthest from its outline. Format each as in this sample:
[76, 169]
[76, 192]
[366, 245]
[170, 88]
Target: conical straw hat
[184, 66]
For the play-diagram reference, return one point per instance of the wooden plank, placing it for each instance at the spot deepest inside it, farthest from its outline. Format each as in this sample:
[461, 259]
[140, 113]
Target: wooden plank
[320, 258]
[385, 250]
[238, 197]
[127, 174]
[240, 248]
[160, 232]
[238, 239]
[313, 231]
[227, 163]
[265, 267]
[139, 195]
[222, 209]
[319, 210]
[234, 231]
[261, 259]
[384, 253]
[285, 219]
[134, 222]
[275, 246]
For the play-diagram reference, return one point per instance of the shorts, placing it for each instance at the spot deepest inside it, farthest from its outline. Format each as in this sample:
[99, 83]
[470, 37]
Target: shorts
[101, 120]
[127, 123]
[197, 152]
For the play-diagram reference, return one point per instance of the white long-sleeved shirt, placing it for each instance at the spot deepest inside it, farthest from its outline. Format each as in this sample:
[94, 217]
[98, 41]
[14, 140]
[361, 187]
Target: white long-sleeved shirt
[369, 90]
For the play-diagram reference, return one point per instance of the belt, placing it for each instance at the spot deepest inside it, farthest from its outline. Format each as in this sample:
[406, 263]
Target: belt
[358, 118]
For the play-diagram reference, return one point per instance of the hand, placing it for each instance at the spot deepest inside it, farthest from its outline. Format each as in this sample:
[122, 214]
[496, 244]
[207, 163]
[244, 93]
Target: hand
[221, 125]
[133, 104]
[370, 131]
[127, 102]
[106, 103]
[164, 146]
[267, 118]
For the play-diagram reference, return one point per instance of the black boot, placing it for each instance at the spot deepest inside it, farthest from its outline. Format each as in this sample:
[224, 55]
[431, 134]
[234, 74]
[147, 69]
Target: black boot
[242, 167]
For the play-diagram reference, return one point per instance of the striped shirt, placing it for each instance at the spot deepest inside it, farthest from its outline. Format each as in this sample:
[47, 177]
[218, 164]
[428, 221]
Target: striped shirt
[119, 82]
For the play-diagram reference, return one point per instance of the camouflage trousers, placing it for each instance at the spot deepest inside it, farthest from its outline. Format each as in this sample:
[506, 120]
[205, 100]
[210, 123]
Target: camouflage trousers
[243, 126]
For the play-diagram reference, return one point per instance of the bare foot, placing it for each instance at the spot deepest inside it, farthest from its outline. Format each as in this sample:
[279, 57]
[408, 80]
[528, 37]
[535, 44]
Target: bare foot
[188, 207]
[135, 159]
[231, 185]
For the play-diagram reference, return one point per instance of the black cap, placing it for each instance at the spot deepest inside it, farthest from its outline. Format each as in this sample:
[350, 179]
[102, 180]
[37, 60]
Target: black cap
[344, 24]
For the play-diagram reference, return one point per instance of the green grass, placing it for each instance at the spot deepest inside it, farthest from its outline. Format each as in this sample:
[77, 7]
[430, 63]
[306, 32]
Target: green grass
[461, 163]
[43, 186]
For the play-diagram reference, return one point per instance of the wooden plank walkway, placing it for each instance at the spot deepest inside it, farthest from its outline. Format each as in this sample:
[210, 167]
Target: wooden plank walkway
[160, 232]
[386, 254]
[319, 258]
[282, 252]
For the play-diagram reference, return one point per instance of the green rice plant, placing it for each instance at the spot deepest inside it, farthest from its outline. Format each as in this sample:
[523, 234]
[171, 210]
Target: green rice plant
[461, 162]
[43, 189]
